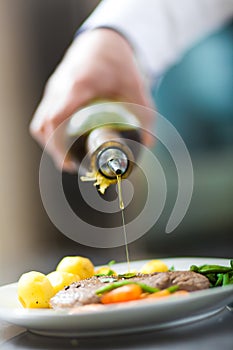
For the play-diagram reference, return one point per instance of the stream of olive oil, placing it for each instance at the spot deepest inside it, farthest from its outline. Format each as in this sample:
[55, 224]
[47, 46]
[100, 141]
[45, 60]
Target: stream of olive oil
[122, 207]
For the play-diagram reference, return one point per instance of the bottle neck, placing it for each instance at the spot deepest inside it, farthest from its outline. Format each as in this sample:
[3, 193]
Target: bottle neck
[100, 136]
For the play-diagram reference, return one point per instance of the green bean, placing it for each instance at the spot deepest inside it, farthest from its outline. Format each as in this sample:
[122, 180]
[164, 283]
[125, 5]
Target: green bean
[173, 289]
[226, 279]
[212, 277]
[214, 269]
[147, 289]
[194, 268]
[112, 286]
[231, 262]
[219, 280]
[115, 285]
[217, 275]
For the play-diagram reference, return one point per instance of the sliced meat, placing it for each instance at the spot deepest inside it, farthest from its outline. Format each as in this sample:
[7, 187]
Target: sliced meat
[189, 281]
[78, 293]
[83, 292]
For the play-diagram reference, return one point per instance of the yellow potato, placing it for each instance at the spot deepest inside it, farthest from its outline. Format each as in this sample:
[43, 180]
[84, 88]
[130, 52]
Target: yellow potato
[104, 270]
[154, 266]
[61, 279]
[34, 290]
[77, 265]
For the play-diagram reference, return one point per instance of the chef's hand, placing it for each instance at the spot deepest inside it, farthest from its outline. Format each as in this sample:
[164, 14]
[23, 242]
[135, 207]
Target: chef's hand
[98, 64]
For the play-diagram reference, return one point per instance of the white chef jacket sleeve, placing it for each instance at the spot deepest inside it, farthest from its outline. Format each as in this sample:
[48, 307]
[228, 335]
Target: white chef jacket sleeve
[160, 31]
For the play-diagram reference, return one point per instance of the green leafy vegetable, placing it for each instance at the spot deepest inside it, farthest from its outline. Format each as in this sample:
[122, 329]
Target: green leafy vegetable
[218, 275]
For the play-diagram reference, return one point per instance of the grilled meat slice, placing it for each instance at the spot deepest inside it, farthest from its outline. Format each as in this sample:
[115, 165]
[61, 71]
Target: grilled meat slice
[83, 292]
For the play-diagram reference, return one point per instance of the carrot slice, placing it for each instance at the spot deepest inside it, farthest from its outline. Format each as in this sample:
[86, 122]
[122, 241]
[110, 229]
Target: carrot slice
[166, 293]
[161, 294]
[181, 292]
[122, 294]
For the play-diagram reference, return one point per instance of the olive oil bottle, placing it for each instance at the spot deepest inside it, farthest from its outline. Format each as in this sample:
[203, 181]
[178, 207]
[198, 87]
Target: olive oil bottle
[99, 138]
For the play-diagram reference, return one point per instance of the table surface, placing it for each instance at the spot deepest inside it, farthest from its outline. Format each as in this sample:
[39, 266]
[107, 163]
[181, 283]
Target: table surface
[215, 332]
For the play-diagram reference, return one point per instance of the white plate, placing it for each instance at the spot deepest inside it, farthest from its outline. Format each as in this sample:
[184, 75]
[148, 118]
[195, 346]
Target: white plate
[121, 318]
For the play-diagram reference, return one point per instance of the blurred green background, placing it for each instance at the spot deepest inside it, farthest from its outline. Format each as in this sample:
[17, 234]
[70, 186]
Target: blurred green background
[196, 95]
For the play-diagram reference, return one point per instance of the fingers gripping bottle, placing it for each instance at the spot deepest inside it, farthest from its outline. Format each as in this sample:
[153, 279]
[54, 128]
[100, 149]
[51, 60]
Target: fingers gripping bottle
[100, 140]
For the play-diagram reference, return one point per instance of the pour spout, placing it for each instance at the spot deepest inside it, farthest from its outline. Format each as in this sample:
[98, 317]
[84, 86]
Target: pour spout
[115, 166]
[112, 162]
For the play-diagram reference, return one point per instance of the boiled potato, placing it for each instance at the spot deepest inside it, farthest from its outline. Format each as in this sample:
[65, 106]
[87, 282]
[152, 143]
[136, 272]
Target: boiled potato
[61, 279]
[34, 290]
[154, 266]
[105, 270]
[77, 265]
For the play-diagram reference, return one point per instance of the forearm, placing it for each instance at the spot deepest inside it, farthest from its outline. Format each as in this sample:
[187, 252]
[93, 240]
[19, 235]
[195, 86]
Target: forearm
[160, 31]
